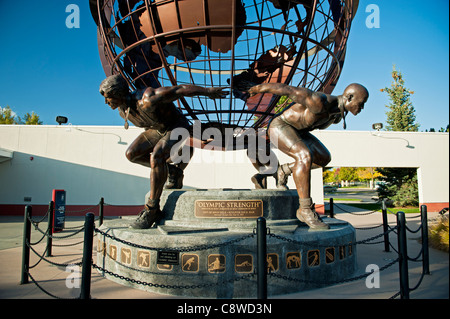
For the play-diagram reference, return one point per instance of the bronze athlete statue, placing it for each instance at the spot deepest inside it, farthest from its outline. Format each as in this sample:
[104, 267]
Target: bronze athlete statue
[154, 110]
[291, 130]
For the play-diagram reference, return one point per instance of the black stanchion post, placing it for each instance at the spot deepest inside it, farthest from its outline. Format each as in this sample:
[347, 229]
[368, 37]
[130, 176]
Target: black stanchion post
[385, 225]
[26, 247]
[100, 211]
[87, 256]
[402, 255]
[50, 229]
[426, 254]
[261, 256]
[331, 208]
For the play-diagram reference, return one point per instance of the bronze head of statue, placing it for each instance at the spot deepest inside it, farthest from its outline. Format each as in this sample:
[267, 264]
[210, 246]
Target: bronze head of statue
[115, 90]
[354, 97]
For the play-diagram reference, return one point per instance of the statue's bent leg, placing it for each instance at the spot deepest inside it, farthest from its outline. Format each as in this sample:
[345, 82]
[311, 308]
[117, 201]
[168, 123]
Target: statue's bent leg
[300, 147]
[151, 214]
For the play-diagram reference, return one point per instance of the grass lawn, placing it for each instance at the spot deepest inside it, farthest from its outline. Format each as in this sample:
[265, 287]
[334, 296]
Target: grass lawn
[377, 207]
[343, 199]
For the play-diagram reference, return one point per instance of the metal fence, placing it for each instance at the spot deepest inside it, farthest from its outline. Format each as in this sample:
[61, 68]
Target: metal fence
[261, 232]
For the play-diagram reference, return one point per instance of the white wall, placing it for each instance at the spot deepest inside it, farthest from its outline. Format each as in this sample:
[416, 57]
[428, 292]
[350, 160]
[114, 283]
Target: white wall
[429, 152]
[89, 162]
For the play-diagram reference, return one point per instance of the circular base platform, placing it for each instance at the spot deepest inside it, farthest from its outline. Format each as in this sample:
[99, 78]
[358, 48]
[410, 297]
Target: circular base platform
[206, 246]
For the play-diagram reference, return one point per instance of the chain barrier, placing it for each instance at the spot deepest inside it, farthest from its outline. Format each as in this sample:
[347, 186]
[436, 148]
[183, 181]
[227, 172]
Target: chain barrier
[48, 233]
[279, 237]
[43, 236]
[82, 210]
[353, 213]
[409, 217]
[96, 231]
[368, 228]
[176, 249]
[41, 256]
[414, 231]
[400, 230]
[332, 282]
[68, 245]
[44, 290]
[365, 241]
[149, 284]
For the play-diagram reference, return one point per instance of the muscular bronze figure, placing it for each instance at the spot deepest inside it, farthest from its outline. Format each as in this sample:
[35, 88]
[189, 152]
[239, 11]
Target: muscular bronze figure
[291, 131]
[266, 169]
[154, 110]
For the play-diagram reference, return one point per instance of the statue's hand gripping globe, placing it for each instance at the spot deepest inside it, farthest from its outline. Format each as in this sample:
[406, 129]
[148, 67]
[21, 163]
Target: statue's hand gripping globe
[225, 43]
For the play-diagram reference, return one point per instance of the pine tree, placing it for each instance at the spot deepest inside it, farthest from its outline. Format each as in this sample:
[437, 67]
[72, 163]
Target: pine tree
[401, 114]
[401, 183]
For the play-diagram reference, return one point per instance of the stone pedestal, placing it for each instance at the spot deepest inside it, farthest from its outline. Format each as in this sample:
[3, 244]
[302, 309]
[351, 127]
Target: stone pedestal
[215, 249]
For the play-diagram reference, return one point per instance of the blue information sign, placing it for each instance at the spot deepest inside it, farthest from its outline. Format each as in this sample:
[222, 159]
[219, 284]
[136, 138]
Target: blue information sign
[59, 214]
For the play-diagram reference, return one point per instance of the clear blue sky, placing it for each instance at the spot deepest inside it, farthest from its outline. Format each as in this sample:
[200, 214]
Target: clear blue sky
[52, 70]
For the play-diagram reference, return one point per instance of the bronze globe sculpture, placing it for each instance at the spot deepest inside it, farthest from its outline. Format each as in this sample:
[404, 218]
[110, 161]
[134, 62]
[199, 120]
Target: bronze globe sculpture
[217, 43]
[176, 57]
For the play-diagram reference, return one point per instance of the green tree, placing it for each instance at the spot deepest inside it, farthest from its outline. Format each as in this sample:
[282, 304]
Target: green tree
[441, 130]
[32, 119]
[7, 116]
[400, 186]
[400, 183]
[329, 175]
[401, 114]
[348, 174]
[368, 174]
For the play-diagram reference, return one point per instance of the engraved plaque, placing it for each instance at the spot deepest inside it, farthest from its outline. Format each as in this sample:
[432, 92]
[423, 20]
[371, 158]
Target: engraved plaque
[313, 258]
[189, 263]
[341, 252]
[329, 255]
[143, 259]
[125, 256]
[168, 257]
[293, 260]
[216, 263]
[243, 263]
[272, 262]
[101, 247]
[113, 252]
[228, 208]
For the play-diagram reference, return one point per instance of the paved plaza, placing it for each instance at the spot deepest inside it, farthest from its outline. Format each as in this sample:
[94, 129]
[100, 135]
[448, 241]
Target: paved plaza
[52, 278]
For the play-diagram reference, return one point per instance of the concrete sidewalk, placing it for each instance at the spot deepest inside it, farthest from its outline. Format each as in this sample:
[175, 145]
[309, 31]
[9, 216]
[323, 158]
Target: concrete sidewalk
[54, 278]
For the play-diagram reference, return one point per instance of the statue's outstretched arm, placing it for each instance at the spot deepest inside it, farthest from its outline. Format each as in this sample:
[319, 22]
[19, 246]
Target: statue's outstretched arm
[170, 94]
